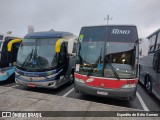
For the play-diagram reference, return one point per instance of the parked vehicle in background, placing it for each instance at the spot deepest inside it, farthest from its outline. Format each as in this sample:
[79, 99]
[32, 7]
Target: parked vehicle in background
[107, 61]
[9, 45]
[43, 60]
[143, 47]
[150, 65]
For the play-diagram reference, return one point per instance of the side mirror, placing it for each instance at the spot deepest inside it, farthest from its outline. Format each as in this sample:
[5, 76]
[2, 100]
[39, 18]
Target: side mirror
[144, 47]
[10, 44]
[71, 44]
[58, 45]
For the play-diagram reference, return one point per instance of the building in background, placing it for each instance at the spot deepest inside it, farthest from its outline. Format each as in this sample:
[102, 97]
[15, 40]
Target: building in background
[30, 29]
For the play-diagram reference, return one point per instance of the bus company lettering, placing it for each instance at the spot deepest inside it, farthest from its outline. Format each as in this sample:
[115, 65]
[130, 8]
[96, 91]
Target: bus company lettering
[118, 32]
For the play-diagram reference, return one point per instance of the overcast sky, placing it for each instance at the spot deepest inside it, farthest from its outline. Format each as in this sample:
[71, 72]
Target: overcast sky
[71, 15]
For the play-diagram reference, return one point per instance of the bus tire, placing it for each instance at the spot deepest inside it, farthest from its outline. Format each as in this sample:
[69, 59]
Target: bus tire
[132, 98]
[71, 78]
[76, 91]
[148, 84]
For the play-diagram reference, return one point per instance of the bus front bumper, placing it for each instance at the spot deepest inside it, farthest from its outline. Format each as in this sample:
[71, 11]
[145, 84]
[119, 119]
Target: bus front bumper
[126, 93]
[44, 84]
[6, 74]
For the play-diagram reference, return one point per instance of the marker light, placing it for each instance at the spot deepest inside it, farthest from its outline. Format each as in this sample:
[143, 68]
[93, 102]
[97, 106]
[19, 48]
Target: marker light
[129, 86]
[79, 80]
[90, 80]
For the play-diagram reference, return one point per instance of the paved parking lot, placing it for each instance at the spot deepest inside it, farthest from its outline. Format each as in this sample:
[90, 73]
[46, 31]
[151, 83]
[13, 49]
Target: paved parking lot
[18, 98]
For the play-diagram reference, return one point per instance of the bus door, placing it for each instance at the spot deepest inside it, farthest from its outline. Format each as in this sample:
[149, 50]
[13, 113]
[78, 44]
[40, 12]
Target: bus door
[13, 47]
[62, 56]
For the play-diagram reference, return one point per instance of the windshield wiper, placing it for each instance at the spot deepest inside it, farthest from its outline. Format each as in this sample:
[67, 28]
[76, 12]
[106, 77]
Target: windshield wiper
[113, 69]
[34, 56]
[28, 58]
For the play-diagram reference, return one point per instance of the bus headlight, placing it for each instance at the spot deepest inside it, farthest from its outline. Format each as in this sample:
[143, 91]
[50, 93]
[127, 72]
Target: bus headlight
[51, 76]
[3, 73]
[79, 80]
[16, 73]
[129, 86]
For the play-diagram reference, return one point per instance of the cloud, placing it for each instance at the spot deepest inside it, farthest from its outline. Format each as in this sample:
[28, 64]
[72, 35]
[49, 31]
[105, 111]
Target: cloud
[71, 15]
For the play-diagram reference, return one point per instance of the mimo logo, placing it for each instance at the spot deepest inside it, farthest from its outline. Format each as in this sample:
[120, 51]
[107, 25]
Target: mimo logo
[6, 114]
[118, 32]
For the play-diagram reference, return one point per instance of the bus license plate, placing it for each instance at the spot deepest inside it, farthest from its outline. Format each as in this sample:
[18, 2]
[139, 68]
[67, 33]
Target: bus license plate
[102, 93]
[31, 85]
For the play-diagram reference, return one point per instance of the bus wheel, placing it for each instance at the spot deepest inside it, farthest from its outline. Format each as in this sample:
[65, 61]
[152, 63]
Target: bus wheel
[132, 98]
[71, 77]
[148, 84]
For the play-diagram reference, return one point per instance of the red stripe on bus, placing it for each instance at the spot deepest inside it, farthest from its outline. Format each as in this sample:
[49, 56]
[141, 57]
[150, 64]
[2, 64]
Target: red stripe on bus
[106, 82]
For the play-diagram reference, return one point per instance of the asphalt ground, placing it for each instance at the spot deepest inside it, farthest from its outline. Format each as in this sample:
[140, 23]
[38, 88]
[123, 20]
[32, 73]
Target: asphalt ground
[59, 103]
[143, 100]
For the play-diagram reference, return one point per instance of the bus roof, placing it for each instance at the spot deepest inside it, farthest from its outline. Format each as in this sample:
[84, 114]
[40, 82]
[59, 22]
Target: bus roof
[110, 25]
[153, 33]
[48, 34]
[10, 35]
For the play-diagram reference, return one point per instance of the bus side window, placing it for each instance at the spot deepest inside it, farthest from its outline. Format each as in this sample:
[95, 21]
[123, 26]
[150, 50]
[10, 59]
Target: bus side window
[63, 53]
[155, 61]
[1, 37]
[158, 42]
[74, 48]
[152, 43]
[4, 54]
[14, 51]
[158, 64]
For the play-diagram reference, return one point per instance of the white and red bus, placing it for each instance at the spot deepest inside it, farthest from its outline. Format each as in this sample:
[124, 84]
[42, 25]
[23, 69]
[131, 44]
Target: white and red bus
[107, 61]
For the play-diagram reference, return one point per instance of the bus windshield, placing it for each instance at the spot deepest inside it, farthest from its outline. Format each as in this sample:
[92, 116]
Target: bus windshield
[91, 49]
[108, 52]
[37, 54]
[122, 57]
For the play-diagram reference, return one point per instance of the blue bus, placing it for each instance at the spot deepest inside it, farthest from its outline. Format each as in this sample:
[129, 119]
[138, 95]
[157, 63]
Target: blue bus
[9, 45]
[43, 60]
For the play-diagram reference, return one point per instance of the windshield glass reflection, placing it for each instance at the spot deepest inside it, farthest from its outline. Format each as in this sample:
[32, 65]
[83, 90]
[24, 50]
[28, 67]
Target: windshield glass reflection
[37, 54]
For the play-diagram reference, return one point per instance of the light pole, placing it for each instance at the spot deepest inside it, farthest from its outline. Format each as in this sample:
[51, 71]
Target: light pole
[108, 19]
